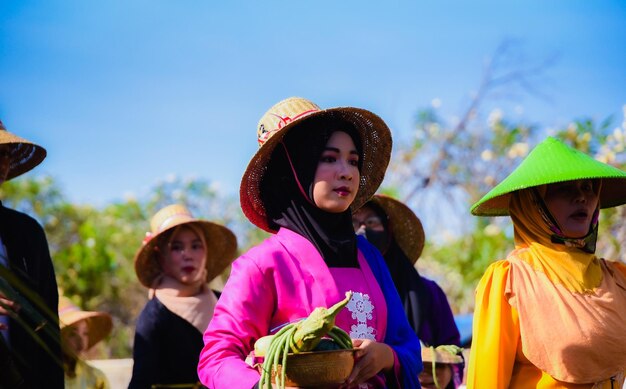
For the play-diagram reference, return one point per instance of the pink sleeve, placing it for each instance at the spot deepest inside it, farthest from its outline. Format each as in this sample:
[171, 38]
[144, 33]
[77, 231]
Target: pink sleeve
[242, 315]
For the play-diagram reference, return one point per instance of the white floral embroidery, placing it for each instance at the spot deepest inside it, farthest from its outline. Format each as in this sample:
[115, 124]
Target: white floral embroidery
[361, 308]
[361, 331]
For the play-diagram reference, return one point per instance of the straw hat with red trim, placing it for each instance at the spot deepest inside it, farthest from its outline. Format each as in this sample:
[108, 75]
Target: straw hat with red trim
[286, 116]
[24, 155]
[99, 323]
[406, 227]
[221, 244]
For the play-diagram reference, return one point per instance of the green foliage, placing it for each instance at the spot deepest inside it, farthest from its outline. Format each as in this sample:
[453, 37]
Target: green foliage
[93, 249]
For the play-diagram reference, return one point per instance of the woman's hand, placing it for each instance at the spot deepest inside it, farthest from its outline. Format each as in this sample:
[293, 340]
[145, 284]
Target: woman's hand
[443, 372]
[7, 308]
[370, 359]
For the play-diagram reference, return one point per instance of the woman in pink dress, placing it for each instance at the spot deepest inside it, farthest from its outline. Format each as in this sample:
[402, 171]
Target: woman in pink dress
[312, 168]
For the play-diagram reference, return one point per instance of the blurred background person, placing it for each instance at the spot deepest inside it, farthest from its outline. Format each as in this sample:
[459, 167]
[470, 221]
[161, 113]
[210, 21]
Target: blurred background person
[80, 331]
[398, 233]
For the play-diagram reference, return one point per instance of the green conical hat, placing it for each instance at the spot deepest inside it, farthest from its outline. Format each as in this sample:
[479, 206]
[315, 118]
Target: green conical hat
[549, 162]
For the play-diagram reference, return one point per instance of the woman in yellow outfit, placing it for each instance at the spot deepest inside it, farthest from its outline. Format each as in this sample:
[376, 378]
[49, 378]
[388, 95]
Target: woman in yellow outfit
[552, 314]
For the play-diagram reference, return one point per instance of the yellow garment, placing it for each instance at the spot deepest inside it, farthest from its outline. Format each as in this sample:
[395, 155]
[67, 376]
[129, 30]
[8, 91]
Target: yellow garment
[87, 377]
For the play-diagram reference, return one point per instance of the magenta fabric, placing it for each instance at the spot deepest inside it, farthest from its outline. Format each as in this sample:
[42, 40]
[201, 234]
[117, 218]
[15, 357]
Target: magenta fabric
[360, 281]
[267, 288]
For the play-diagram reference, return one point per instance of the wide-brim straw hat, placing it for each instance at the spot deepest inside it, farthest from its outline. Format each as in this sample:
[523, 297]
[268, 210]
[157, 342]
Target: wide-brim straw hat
[434, 355]
[549, 162]
[25, 155]
[100, 323]
[286, 116]
[221, 244]
[404, 224]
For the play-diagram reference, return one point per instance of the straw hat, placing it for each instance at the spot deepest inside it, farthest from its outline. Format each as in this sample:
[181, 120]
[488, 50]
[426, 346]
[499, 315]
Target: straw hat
[285, 116]
[99, 323]
[221, 244]
[440, 355]
[549, 162]
[25, 155]
[406, 227]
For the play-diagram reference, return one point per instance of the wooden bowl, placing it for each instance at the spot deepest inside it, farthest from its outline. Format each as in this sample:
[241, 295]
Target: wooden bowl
[317, 369]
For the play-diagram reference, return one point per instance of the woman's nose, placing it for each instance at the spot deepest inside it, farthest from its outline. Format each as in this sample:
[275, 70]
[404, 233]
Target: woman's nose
[345, 172]
[579, 195]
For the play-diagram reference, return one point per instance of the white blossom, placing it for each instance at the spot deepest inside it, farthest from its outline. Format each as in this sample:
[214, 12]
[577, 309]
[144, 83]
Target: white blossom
[492, 230]
[495, 117]
[519, 149]
[486, 155]
[489, 180]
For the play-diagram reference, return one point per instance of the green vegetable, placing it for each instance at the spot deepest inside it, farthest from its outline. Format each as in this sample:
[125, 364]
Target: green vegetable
[305, 335]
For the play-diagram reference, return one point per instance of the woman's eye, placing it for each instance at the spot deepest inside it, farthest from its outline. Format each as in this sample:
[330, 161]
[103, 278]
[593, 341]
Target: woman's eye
[328, 158]
[354, 162]
[587, 186]
[197, 246]
[176, 247]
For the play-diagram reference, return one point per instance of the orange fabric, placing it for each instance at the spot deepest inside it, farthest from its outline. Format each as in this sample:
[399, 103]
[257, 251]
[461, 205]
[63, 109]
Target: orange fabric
[574, 337]
[621, 267]
[496, 357]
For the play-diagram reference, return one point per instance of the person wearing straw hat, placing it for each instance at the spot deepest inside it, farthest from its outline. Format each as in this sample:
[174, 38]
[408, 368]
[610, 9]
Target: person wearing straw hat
[398, 234]
[80, 331]
[177, 259]
[312, 167]
[29, 325]
[552, 314]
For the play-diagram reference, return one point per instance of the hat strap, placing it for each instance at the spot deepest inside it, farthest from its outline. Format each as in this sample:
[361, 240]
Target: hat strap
[293, 170]
[587, 243]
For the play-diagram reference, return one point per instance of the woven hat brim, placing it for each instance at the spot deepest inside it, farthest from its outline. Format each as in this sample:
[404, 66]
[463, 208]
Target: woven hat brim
[25, 155]
[376, 144]
[406, 227]
[221, 249]
[440, 357]
[551, 162]
[100, 324]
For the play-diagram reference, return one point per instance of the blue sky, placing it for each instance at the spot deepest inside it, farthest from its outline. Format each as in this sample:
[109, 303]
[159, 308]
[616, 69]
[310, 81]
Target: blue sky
[125, 93]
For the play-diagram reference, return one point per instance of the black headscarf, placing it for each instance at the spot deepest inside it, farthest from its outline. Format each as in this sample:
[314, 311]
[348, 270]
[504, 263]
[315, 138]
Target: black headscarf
[406, 278]
[286, 206]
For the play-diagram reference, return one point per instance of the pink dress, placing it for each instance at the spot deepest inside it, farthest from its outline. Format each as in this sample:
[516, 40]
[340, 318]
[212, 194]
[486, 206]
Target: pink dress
[365, 315]
[281, 281]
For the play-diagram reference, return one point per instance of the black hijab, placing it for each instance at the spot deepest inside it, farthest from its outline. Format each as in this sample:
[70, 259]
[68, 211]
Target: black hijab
[408, 282]
[286, 206]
